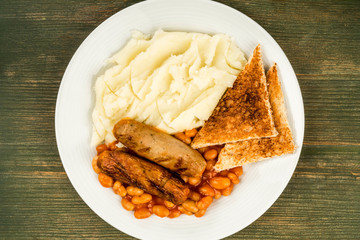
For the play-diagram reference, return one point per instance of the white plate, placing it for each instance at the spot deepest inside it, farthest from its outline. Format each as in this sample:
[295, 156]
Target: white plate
[261, 184]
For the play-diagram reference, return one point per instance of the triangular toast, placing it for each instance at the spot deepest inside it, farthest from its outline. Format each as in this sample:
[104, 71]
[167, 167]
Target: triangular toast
[241, 153]
[243, 112]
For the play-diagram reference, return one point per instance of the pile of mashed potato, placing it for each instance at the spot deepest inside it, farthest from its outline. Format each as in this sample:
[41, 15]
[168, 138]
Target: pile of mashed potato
[172, 81]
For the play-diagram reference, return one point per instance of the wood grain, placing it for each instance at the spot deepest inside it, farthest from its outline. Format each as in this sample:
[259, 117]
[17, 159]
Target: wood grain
[321, 40]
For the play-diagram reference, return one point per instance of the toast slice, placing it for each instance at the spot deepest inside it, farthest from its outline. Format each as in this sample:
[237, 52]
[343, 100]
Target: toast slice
[243, 112]
[241, 153]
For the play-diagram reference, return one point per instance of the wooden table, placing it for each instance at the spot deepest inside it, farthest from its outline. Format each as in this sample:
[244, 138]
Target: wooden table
[321, 40]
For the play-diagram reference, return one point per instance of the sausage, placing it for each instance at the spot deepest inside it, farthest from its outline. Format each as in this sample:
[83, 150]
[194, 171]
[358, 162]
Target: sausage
[159, 147]
[148, 176]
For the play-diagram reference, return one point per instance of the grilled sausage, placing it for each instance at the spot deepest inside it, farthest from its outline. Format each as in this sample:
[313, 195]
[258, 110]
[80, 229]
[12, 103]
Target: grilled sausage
[143, 174]
[159, 147]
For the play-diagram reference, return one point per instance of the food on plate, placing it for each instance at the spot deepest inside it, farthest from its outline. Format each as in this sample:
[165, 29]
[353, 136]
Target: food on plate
[203, 190]
[151, 178]
[174, 83]
[172, 80]
[243, 152]
[243, 112]
[159, 147]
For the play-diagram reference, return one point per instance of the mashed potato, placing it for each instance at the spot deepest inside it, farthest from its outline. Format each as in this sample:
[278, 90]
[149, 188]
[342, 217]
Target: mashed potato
[173, 81]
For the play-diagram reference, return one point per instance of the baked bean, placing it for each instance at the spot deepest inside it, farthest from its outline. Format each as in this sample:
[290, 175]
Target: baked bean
[142, 205]
[194, 181]
[204, 202]
[160, 210]
[220, 182]
[183, 210]
[200, 213]
[202, 150]
[210, 164]
[227, 191]
[105, 180]
[182, 137]
[234, 179]
[185, 178]
[210, 154]
[194, 196]
[217, 194]
[101, 148]
[190, 206]
[127, 204]
[237, 170]
[116, 187]
[95, 166]
[169, 204]
[122, 191]
[144, 198]
[223, 173]
[134, 191]
[142, 213]
[174, 213]
[191, 133]
[206, 190]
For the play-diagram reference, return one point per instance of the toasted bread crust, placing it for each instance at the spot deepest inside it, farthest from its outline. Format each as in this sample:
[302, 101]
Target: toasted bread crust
[241, 153]
[244, 110]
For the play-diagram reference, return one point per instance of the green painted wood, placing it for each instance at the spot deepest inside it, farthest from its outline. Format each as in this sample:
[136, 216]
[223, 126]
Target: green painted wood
[321, 40]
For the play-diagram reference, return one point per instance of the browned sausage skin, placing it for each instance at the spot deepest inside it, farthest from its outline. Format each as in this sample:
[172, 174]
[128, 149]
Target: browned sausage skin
[159, 147]
[143, 174]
